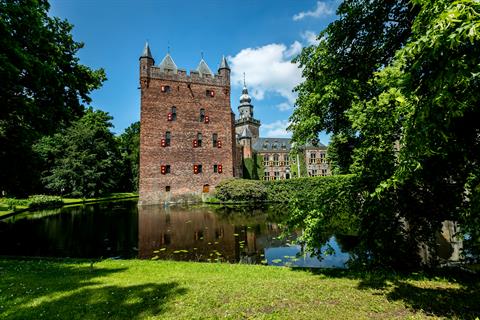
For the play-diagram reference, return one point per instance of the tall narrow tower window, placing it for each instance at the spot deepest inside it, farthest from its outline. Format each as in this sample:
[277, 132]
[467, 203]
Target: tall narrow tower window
[214, 140]
[199, 139]
[174, 113]
[202, 115]
[167, 138]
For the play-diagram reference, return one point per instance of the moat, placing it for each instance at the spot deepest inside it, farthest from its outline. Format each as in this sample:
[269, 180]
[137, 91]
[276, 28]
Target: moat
[122, 230]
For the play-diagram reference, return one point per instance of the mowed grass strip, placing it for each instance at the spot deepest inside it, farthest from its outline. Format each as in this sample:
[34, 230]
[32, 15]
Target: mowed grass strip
[136, 289]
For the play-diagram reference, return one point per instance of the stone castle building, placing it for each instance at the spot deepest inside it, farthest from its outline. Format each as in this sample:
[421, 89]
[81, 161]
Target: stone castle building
[190, 140]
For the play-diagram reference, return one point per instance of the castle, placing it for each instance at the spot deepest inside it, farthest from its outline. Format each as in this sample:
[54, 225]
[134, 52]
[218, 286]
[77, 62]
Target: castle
[190, 140]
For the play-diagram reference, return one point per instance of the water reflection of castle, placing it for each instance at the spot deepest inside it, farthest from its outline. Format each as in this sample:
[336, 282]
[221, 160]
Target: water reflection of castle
[201, 235]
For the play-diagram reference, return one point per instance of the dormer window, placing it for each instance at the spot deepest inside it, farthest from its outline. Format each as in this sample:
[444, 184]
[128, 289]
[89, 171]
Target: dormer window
[166, 89]
[275, 145]
[265, 145]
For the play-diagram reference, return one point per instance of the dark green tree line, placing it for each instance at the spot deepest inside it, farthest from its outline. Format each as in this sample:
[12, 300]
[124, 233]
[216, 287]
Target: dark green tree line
[43, 87]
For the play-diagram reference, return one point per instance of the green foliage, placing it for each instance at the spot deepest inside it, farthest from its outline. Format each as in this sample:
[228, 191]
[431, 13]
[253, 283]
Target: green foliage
[336, 72]
[253, 168]
[43, 87]
[13, 203]
[129, 145]
[44, 202]
[415, 116]
[300, 156]
[82, 161]
[241, 190]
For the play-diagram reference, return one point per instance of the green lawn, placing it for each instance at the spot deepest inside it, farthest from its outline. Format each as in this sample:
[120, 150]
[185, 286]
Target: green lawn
[133, 289]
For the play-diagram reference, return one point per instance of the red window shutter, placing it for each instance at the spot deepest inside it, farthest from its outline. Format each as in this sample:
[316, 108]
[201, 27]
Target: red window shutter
[195, 168]
[212, 93]
[164, 144]
[163, 88]
[219, 168]
[219, 144]
[169, 116]
[207, 119]
[195, 143]
[163, 169]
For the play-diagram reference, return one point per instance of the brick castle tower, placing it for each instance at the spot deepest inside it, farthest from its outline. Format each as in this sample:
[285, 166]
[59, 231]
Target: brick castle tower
[187, 135]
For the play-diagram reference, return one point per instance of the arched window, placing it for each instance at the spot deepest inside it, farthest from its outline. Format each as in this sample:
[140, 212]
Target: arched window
[168, 137]
[199, 139]
[202, 115]
[174, 113]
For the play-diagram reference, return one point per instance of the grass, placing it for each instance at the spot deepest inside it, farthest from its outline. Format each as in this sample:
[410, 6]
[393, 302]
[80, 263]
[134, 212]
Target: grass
[5, 210]
[135, 289]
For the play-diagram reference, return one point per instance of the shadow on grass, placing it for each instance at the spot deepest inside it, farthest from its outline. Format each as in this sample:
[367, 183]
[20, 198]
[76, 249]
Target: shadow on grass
[55, 290]
[425, 292]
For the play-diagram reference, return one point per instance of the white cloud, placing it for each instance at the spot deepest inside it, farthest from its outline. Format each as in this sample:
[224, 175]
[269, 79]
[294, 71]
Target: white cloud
[284, 106]
[322, 9]
[294, 49]
[310, 37]
[277, 129]
[267, 69]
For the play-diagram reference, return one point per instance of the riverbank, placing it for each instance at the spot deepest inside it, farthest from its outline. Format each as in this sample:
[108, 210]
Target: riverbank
[142, 289]
[23, 204]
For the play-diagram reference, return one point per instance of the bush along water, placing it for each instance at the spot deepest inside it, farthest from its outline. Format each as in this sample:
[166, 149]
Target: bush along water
[44, 202]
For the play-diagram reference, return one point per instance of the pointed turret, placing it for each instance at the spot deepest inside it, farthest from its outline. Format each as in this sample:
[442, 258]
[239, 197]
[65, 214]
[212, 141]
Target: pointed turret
[146, 52]
[224, 69]
[168, 64]
[203, 68]
[223, 64]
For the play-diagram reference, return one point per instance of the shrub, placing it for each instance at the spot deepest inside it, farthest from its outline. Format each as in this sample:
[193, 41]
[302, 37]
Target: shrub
[44, 202]
[241, 190]
[13, 203]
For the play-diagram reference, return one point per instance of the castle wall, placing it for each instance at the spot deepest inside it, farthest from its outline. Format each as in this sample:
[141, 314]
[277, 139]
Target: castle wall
[188, 94]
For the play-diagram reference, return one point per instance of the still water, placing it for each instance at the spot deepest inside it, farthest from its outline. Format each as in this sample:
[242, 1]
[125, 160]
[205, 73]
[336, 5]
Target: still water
[199, 233]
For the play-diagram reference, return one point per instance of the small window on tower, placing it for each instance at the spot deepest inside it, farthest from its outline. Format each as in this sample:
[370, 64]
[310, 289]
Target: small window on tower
[199, 139]
[166, 89]
[202, 115]
[199, 168]
[167, 189]
[168, 137]
[174, 113]
[210, 93]
[167, 168]
[214, 140]
[215, 168]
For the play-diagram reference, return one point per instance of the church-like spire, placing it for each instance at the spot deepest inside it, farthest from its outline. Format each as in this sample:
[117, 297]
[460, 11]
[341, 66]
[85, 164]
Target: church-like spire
[146, 52]
[245, 97]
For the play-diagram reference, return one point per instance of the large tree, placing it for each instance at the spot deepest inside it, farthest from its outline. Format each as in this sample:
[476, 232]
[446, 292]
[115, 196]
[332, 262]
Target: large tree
[129, 144]
[82, 160]
[417, 152]
[361, 41]
[43, 86]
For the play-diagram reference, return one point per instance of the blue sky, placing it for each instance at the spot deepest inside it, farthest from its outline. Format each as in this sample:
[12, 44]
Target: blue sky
[258, 38]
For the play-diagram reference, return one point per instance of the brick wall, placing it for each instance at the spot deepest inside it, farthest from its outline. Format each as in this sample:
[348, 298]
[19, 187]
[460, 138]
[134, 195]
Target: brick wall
[188, 95]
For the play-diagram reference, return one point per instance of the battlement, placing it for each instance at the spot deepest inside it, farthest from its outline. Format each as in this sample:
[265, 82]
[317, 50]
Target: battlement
[193, 77]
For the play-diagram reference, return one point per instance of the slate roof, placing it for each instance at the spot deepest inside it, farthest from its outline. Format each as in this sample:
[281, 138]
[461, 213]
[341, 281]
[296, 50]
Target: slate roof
[167, 63]
[282, 144]
[203, 68]
[272, 144]
[146, 52]
[224, 64]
